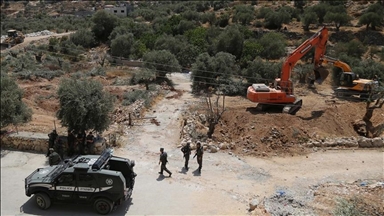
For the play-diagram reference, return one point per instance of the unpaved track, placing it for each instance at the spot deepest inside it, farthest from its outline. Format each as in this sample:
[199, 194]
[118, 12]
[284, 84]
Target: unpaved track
[225, 186]
[28, 40]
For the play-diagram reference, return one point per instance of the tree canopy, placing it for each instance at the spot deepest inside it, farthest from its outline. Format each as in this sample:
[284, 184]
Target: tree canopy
[84, 105]
[12, 110]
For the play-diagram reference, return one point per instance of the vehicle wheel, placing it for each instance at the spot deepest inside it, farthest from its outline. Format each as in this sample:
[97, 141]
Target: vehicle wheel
[103, 206]
[42, 200]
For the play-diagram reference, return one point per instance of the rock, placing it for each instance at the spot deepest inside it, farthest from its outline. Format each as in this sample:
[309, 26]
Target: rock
[213, 149]
[253, 204]
[364, 142]
[378, 142]
[223, 146]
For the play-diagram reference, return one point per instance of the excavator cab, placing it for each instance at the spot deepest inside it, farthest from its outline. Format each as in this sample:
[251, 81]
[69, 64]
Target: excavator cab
[346, 79]
[12, 33]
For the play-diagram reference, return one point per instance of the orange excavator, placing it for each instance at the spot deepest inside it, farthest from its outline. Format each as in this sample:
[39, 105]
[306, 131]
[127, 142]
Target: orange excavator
[280, 94]
[349, 83]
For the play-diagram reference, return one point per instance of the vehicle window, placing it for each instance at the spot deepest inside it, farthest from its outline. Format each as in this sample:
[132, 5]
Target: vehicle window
[86, 180]
[65, 180]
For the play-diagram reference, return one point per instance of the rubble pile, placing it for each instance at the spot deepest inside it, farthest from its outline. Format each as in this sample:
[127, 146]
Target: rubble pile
[360, 142]
[194, 129]
[121, 114]
[40, 33]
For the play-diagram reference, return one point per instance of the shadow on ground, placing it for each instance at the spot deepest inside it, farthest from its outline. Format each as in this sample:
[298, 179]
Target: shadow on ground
[31, 208]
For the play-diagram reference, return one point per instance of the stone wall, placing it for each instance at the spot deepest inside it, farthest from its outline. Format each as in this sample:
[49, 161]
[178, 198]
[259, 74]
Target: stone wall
[360, 142]
[38, 142]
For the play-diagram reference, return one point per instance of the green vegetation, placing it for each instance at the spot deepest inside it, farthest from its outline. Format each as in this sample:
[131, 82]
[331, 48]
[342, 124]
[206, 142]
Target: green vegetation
[12, 110]
[84, 105]
[218, 43]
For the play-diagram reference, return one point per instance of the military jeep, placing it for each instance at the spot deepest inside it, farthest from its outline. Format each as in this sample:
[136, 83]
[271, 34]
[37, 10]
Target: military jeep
[104, 180]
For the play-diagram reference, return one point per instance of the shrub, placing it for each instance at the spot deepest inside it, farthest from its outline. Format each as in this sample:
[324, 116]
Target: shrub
[13, 109]
[121, 46]
[273, 45]
[84, 38]
[46, 74]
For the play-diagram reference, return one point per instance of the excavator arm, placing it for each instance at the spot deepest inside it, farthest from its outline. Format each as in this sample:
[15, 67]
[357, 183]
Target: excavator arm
[319, 41]
[337, 63]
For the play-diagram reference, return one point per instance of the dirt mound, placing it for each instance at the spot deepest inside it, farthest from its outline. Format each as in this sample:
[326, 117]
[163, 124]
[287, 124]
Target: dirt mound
[266, 134]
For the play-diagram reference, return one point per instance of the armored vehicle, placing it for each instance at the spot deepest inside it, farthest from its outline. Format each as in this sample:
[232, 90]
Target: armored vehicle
[105, 181]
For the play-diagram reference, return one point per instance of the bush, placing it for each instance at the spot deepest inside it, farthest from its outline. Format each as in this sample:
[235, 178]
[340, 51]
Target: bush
[84, 38]
[121, 46]
[12, 110]
[132, 96]
[263, 12]
[273, 45]
[162, 61]
[84, 105]
[46, 74]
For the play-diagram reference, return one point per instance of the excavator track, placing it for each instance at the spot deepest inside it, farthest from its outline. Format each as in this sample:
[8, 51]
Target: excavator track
[292, 109]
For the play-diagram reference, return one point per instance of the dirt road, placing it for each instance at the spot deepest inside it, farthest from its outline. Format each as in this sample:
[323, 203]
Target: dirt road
[28, 40]
[225, 186]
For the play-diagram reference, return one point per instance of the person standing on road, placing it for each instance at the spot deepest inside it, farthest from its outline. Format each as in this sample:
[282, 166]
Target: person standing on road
[199, 154]
[163, 160]
[186, 152]
[90, 141]
[52, 139]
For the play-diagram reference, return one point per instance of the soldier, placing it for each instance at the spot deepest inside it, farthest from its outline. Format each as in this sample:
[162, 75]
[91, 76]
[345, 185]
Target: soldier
[163, 160]
[90, 140]
[51, 142]
[71, 143]
[80, 141]
[54, 158]
[186, 152]
[60, 147]
[199, 154]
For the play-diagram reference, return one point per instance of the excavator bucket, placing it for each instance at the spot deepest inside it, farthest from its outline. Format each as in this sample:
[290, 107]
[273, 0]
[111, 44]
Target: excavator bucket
[321, 74]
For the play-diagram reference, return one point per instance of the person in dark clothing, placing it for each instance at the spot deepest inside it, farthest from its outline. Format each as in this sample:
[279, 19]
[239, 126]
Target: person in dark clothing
[90, 140]
[163, 160]
[54, 158]
[186, 152]
[199, 154]
[60, 147]
[80, 141]
[52, 139]
[71, 143]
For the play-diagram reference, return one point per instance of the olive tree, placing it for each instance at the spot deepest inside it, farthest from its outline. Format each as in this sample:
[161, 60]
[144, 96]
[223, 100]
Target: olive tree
[339, 19]
[104, 23]
[231, 41]
[308, 18]
[13, 109]
[208, 71]
[84, 105]
[273, 45]
[122, 45]
[84, 38]
[161, 61]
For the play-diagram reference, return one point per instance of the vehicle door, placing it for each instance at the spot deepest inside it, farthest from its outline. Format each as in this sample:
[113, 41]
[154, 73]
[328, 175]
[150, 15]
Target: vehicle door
[65, 186]
[86, 186]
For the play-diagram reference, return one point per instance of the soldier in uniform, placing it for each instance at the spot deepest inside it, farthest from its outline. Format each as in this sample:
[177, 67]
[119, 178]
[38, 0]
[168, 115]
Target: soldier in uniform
[186, 152]
[54, 158]
[51, 142]
[60, 147]
[163, 160]
[90, 140]
[199, 154]
[71, 143]
[80, 141]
